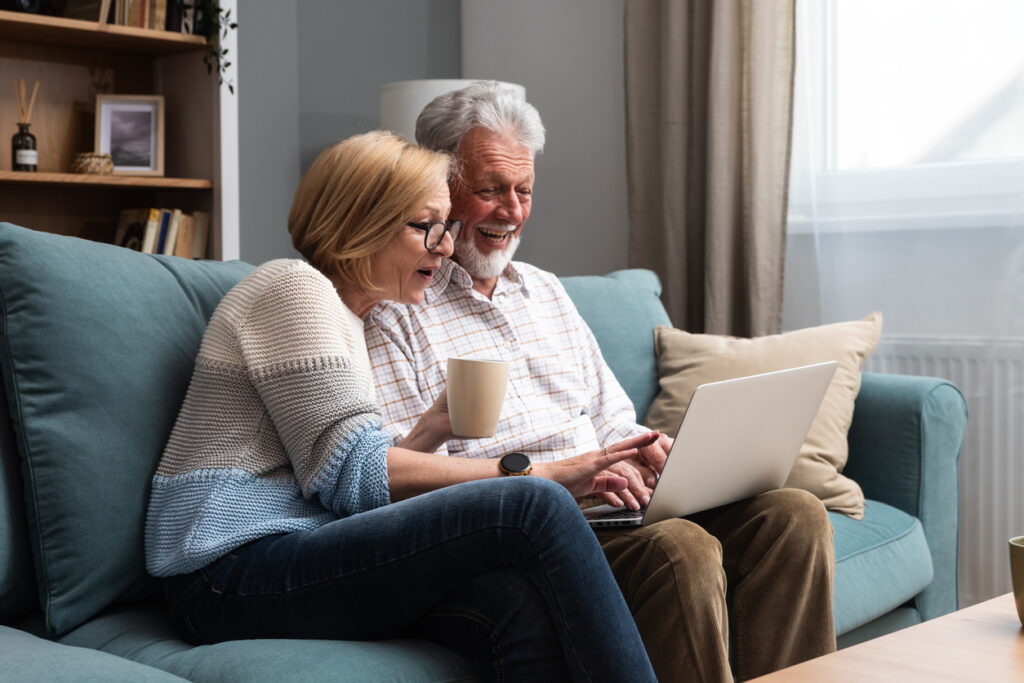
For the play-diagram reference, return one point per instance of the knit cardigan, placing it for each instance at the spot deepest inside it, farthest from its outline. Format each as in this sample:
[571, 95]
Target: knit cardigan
[279, 430]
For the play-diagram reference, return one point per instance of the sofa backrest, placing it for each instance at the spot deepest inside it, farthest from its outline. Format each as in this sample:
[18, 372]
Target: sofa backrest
[622, 309]
[97, 345]
[17, 581]
[96, 350]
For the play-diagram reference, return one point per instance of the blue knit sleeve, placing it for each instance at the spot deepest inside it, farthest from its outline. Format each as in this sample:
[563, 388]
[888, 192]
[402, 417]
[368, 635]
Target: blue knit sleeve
[355, 477]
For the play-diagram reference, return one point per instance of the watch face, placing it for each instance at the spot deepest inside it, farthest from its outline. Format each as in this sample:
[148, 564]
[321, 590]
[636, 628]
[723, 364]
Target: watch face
[515, 462]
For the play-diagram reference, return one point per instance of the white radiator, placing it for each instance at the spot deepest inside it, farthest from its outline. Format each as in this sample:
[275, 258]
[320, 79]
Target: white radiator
[990, 373]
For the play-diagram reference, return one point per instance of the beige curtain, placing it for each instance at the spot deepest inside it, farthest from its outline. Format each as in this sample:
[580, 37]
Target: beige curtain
[709, 90]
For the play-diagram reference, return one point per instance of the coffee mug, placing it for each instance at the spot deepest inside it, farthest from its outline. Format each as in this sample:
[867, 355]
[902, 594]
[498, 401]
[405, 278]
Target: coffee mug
[1017, 574]
[476, 390]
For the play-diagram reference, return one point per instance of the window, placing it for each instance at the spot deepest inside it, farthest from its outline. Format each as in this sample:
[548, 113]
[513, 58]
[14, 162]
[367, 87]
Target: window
[908, 114]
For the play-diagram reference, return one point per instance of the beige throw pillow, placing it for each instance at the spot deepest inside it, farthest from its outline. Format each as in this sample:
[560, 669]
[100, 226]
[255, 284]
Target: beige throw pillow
[686, 361]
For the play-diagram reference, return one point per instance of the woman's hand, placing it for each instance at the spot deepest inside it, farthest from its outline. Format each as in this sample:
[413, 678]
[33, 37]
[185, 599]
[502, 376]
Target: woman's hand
[587, 474]
[433, 428]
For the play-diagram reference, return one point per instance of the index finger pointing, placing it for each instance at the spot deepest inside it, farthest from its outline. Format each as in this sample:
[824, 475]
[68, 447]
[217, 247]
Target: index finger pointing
[638, 441]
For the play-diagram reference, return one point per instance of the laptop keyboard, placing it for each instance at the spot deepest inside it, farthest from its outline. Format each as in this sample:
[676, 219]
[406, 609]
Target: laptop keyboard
[624, 514]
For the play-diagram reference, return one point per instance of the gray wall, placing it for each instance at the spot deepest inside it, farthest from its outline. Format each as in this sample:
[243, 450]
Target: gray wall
[568, 54]
[349, 49]
[309, 74]
[268, 126]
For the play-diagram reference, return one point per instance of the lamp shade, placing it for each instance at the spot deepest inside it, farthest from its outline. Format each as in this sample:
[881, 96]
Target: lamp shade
[402, 101]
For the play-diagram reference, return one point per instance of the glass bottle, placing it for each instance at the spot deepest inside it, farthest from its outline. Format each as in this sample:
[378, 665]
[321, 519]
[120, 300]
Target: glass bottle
[23, 150]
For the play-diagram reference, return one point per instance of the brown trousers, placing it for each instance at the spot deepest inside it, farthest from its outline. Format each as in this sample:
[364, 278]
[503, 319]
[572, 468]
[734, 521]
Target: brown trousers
[755, 575]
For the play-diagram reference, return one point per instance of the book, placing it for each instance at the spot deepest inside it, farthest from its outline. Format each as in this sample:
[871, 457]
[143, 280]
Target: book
[172, 233]
[132, 14]
[173, 16]
[131, 228]
[199, 236]
[188, 19]
[87, 10]
[152, 231]
[158, 14]
[183, 245]
[161, 236]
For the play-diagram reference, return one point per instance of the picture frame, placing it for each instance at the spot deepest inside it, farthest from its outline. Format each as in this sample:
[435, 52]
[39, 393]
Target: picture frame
[130, 128]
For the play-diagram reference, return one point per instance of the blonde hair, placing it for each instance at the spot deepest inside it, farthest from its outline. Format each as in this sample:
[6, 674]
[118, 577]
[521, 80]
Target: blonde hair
[357, 196]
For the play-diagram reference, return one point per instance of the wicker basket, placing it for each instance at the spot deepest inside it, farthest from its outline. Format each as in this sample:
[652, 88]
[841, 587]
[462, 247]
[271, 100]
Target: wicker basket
[93, 162]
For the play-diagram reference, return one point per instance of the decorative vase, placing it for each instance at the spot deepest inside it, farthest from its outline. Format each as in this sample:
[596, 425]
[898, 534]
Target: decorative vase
[23, 150]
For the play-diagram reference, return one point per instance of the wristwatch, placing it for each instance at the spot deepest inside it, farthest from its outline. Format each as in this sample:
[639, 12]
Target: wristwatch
[515, 464]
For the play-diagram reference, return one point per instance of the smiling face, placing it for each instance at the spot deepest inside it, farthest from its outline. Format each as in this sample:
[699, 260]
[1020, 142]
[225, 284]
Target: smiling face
[492, 199]
[403, 269]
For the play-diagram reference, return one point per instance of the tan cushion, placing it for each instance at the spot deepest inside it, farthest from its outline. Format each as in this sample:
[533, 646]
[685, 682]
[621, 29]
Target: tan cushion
[685, 361]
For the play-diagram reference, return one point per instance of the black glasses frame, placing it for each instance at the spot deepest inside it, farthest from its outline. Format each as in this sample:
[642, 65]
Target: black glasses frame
[433, 233]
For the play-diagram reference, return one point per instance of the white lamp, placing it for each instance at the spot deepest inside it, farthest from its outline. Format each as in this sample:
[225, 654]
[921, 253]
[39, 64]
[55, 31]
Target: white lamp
[402, 101]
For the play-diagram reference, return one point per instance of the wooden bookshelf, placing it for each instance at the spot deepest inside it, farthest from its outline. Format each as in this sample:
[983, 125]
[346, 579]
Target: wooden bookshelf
[75, 60]
[111, 180]
[34, 28]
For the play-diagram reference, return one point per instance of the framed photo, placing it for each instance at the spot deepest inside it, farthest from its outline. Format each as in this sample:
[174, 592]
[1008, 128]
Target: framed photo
[130, 128]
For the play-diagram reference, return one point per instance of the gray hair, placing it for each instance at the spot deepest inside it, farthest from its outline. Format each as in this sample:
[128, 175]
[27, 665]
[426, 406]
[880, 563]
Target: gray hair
[447, 118]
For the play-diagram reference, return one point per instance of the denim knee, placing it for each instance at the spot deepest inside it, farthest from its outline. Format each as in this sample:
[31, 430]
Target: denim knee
[535, 493]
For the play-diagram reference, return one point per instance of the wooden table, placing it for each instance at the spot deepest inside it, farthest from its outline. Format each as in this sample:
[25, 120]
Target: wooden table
[980, 643]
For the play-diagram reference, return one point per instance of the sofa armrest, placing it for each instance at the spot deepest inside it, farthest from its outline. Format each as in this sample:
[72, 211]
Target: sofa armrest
[905, 443]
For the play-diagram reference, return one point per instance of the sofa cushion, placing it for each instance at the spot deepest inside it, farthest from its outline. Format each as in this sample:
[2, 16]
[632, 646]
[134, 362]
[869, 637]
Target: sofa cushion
[882, 561]
[686, 361]
[143, 634]
[626, 338]
[96, 348]
[28, 658]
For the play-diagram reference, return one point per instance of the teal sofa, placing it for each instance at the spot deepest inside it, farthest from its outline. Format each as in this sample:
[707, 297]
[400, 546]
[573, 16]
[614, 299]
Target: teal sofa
[96, 349]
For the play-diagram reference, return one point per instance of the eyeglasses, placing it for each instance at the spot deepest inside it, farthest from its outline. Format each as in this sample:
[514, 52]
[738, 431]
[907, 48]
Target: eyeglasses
[433, 233]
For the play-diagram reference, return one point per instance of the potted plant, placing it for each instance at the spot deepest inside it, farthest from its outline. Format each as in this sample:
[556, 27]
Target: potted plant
[208, 19]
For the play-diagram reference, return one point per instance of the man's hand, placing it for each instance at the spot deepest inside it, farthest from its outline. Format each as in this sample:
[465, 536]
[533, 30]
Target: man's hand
[637, 492]
[642, 474]
[654, 456]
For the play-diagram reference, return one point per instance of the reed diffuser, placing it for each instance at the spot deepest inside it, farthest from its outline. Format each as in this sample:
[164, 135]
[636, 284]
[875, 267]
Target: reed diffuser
[24, 156]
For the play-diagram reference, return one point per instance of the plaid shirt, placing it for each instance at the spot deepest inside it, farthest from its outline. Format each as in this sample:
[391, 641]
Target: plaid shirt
[561, 400]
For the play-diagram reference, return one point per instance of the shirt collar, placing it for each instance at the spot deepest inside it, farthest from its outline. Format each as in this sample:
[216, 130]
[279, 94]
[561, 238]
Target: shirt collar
[451, 274]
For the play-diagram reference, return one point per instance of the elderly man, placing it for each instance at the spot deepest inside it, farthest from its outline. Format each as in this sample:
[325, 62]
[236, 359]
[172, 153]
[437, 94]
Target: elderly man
[753, 579]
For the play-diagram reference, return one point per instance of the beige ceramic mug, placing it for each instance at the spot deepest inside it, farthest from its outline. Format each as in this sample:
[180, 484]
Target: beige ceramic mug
[1017, 574]
[476, 390]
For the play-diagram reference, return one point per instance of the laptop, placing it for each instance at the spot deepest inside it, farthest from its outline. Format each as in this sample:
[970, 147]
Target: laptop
[739, 437]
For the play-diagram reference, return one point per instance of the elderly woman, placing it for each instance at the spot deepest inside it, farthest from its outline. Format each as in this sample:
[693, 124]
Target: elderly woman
[280, 508]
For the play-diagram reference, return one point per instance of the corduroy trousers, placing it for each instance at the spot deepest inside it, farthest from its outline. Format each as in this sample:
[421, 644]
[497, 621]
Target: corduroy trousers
[752, 579]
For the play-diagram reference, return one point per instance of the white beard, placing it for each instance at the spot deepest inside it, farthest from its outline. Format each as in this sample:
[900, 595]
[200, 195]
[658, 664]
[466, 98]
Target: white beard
[482, 266]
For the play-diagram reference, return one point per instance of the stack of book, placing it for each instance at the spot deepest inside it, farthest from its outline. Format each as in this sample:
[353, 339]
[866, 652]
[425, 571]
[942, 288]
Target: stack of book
[162, 15]
[164, 231]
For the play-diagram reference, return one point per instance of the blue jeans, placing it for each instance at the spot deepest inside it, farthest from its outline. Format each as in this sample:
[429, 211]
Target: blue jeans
[504, 571]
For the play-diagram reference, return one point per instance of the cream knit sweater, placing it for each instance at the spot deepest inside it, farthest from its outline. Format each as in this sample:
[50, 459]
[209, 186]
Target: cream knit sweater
[279, 430]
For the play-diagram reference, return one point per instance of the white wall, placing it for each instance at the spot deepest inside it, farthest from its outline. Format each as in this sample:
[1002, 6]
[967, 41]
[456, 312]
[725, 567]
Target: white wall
[568, 54]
